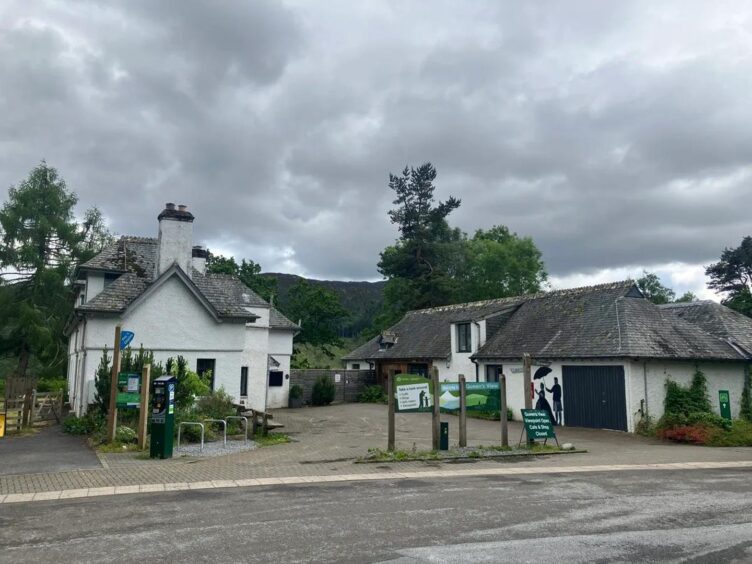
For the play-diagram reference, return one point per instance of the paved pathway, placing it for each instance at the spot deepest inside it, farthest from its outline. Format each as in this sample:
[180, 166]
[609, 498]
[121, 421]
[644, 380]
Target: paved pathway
[327, 441]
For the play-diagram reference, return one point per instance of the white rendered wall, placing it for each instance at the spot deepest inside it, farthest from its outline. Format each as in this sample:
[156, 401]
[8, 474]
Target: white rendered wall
[720, 376]
[459, 362]
[94, 285]
[280, 347]
[173, 322]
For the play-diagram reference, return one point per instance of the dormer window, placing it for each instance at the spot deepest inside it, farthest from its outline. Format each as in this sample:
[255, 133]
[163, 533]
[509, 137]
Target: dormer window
[109, 278]
[387, 340]
[464, 341]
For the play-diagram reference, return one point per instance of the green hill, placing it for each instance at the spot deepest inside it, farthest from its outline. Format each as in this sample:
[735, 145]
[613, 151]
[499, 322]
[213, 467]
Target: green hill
[361, 299]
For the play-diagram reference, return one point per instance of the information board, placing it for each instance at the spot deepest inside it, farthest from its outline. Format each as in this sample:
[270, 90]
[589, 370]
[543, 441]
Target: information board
[538, 424]
[413, 393]
[479, 396]
[128, 390]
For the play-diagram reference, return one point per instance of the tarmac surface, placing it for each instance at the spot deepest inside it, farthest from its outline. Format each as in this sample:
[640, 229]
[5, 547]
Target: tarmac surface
[647, 516]
[49, 450]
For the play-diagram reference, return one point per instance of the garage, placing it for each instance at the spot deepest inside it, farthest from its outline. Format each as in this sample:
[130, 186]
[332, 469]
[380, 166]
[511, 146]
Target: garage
[594, 396]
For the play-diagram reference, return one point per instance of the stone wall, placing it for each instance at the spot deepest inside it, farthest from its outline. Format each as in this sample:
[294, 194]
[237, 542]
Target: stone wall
[351, 382]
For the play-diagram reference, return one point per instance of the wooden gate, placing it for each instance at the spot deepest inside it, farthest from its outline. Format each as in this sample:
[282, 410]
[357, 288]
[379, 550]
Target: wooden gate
[46, 408]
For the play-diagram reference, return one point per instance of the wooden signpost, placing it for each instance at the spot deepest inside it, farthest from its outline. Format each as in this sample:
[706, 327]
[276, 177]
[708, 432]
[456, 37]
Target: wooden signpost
[463, 411]
[144, 407]
[390, 403]
[112, 413]
[503, 410]
[436, 419]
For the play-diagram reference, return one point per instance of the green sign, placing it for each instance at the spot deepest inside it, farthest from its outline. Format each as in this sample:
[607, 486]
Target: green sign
[128, 390]
[479, 396]
[538, 424]
[724, 399]
[413, 393]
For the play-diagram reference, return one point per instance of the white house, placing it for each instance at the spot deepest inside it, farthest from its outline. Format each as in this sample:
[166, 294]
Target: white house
[160, 290]
[609, 348]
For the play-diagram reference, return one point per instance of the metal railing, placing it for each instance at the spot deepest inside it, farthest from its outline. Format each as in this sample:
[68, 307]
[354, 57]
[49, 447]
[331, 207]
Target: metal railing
[180, 425]
[224, 428]
[245, 424]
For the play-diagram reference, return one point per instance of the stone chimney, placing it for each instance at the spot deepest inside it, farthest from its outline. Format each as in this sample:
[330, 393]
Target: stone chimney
[175, 243]
[200, 254]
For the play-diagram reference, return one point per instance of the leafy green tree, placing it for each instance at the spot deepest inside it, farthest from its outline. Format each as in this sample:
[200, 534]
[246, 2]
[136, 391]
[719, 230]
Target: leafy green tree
[248, 271]
[499, 264]
[40, 243]
[319, 311]
[732, 276]
[686, 297]
[652, 288]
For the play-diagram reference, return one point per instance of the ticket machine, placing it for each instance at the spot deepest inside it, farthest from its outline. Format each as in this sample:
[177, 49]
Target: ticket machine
[162, 416]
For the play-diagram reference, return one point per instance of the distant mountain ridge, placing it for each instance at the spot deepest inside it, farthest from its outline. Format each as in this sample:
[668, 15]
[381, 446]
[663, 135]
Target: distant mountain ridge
[362, 300]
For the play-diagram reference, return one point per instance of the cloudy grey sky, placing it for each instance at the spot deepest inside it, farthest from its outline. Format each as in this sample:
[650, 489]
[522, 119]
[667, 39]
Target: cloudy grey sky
[617, 134]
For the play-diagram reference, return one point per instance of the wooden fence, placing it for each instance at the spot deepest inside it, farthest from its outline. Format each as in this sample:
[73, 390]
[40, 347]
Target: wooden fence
[348, 383]
[32, 410]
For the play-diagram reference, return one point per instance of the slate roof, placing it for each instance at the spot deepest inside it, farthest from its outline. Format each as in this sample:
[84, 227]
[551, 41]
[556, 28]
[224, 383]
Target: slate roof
[134, 259]
[425, 333]
[604, 321]
[716, 319]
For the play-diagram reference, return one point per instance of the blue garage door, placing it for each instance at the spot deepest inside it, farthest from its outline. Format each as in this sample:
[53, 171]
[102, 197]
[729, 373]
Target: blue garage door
[594, 396]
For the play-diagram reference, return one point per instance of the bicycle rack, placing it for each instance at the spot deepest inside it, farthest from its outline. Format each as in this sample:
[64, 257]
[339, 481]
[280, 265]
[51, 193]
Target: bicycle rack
[245, 423]
[224, 427]
[192, 423]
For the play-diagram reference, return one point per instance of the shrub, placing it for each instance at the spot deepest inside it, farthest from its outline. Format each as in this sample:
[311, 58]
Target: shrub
[490, 415]
[739, 434]
[52, 385]
[86, 425]
[125, 434]
[296, 391]
[323, 391]
[217, 405]
[189, 384]
[695, 434]
[373, 394]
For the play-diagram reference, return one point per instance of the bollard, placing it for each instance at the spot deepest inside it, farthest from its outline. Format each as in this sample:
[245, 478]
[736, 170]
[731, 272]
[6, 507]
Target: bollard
[444, 436]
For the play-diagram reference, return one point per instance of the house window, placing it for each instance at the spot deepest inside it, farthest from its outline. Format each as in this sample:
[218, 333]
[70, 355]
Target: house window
[276, 378]
[418, 369]
[109, 278]
[464, 341]
[243, 381]
[204, 365]
[356, 366]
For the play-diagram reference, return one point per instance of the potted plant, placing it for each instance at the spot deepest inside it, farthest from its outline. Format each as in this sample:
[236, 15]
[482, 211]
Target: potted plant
[295, 396]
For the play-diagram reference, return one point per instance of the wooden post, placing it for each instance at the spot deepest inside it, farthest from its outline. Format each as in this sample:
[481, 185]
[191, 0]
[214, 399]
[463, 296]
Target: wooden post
[463, 411]
[436, 418]
[390, 405]
[526, 366]
[112, 413]
[144, 408]
[503, 410]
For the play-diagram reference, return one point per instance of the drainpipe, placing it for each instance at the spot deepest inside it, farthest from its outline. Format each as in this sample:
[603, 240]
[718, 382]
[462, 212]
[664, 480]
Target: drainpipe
[477, 368]
[645, 384]
[81, 375]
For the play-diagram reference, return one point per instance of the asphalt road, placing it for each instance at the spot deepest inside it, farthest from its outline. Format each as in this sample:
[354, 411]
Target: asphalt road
[695, 516]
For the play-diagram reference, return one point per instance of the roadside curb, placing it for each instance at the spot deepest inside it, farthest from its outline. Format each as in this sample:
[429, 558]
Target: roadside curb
[254, 482]
[468, 457]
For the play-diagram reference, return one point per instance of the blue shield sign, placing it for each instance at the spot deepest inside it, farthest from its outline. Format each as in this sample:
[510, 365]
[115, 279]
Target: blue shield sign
[125, 338]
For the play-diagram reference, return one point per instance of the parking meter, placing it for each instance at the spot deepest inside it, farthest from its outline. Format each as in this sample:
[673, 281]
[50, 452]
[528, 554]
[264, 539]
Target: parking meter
[162, 416]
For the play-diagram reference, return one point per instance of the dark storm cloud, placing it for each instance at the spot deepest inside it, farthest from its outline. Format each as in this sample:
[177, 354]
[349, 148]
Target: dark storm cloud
[616, 135]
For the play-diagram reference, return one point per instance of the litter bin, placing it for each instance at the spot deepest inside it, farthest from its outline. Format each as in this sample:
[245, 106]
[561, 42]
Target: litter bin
[444, 436]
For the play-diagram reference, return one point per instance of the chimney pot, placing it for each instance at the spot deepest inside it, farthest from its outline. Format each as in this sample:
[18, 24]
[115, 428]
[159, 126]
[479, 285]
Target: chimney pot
[169, 206]
[182, 207]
